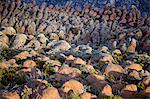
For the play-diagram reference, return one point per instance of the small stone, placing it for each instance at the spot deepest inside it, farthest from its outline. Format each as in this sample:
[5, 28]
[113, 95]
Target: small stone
[86, 95]
[79, 61]
[135, 67]
[42, 38]
[145, 73]
[45, 58]
[12, 63]
[61, 34]
[146, 80]
[106, 58]
[33, 44]
[73, 85]
[4, 40]
[104, 49]
[60, 45]
[107, 90]
[89, 67]
[84, 49]
[71, 72]
[113, 69]
[29, 64]
[23, 55]
[147, 91]
[42, 81]
[9, 31]
[41, 27]
[117, 87]
[50, 93]
[21, 29]
[94, 78]
[70, 58]
[33, 53]
[31, 29]
[135, 75]
[19, 41]
[146, 45]
[96, 81]
[4, 65]
[132, 46]
[129, 90]
[54, 36]
[54, 63]
[139, 33]
[9, 95]
[123, 47]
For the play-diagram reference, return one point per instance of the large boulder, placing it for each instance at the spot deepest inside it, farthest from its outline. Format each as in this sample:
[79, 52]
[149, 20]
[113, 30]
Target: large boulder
[59, 45]
[134, 75]
[67, 73]
[97, 81]
[72, 72]
[84, 49]
[73, 85]
[19, 41]
[79, 61]
[113, 69]
[137, 67]
[94, 78]
[50, 93]
[106, 91]
[129, 90]
[4, 40]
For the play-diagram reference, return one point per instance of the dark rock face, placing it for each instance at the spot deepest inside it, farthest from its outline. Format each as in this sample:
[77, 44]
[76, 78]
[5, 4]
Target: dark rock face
[143, 5]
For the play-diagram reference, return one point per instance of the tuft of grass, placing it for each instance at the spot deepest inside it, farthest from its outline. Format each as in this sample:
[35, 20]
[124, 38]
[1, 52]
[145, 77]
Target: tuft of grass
[111, 78]
[93, 72]
[141, 86]
[26, 93]
[83, 69]
[49, 69]
[40, 63]
[73, 96]
[48, 85]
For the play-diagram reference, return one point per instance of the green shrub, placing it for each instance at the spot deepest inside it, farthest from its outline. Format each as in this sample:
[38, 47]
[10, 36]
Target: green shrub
[49, 69]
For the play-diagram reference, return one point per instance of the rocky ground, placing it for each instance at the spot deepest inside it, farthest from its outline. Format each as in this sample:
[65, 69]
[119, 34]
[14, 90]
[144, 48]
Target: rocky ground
[53, 52]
